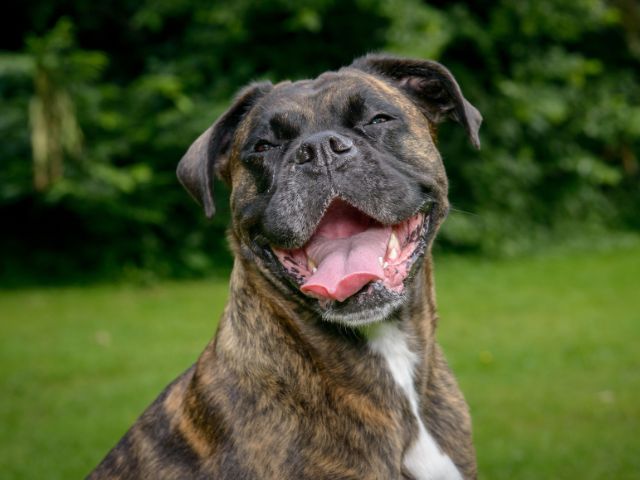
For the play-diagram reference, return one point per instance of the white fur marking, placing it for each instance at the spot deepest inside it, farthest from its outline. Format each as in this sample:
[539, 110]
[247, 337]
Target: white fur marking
[424, 460]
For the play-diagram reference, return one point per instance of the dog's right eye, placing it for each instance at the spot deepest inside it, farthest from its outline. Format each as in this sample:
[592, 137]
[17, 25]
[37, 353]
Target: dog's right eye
[263, 146]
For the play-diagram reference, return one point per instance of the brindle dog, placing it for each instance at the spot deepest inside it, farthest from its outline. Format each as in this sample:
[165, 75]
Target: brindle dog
[325, 364]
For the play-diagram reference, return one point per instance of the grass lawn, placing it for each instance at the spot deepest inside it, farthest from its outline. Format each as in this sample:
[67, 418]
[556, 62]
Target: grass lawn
[546, 350]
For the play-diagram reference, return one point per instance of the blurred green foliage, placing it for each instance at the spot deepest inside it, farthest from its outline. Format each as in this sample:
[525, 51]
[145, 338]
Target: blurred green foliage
[103, 99]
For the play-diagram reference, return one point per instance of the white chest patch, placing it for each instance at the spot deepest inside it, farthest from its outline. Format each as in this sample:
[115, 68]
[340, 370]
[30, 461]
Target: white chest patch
[424, 459]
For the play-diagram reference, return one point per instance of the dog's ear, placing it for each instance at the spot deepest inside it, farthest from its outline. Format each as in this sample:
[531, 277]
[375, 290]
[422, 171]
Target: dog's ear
[208, 156]
[430, 85]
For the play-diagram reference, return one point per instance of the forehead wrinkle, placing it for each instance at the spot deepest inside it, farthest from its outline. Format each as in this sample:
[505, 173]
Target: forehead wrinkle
[282, 108]
[330, 92]
[287, 124]
[337, 89]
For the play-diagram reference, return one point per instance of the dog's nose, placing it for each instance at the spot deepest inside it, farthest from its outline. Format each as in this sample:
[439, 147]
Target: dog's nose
[324, 148]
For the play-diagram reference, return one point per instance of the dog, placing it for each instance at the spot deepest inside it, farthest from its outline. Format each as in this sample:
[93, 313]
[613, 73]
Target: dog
[325, 363]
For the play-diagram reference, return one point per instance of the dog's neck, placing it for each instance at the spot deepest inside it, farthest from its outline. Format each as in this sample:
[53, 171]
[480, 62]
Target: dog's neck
[268, 327]
[285, 357]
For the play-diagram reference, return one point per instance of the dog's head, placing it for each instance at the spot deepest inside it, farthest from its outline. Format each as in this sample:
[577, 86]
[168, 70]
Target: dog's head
[337, 186]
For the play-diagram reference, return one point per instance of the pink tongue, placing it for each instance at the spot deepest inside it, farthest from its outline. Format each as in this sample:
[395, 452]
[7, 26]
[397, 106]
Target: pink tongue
[346, 248]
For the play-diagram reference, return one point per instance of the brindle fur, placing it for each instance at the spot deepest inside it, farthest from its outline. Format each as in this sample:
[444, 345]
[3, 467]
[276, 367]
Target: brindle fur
[278, 393]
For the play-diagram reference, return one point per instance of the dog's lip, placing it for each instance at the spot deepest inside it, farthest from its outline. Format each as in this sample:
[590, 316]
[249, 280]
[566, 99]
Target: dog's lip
[425, 208]
[298, 266]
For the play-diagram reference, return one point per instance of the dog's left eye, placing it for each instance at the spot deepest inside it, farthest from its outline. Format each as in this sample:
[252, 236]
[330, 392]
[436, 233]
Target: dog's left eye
[380, 118]
[263, 146]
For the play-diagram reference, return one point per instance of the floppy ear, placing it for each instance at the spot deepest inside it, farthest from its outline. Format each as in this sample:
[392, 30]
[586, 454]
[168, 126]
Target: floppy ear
[209, 154]
[432, 87]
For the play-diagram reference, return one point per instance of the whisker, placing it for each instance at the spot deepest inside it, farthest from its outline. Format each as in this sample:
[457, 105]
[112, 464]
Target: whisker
[466, 212]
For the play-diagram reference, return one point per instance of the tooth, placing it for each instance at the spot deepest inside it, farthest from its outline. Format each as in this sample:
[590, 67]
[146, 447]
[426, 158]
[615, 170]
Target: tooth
[385, 264]
[311, 265]
[314, 270]
[380, 260]
[393, 249]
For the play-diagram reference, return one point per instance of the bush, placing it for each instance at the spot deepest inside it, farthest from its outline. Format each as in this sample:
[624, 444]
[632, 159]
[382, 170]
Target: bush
[557, 84]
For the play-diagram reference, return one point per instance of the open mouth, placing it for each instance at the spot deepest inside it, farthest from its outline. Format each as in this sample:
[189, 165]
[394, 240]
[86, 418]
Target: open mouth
[350, 250]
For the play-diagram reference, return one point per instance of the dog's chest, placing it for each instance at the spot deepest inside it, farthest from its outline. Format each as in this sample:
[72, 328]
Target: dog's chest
[424, 460]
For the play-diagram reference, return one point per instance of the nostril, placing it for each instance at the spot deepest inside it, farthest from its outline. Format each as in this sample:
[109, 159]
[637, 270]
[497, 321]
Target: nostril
[340, 144]
[304, 154]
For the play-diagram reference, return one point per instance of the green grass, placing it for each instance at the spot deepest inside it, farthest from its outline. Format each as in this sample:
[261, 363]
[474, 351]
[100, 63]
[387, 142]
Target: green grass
[545, 349]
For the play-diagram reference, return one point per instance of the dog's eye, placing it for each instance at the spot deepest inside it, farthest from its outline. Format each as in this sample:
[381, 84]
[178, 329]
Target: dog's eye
[380, 118]
[263, 146]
